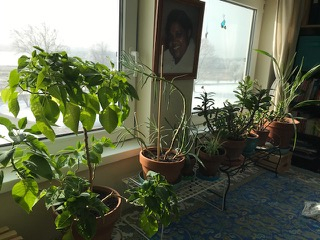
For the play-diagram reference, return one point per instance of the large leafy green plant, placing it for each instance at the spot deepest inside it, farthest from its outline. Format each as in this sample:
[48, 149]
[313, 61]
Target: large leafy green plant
[234, 120]
[80, 92]
[290, 78]
[157, 132]
[159, 202]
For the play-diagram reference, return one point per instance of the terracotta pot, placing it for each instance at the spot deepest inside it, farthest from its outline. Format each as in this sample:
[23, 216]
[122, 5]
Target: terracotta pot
[250, 145]
[211, 163]
[282, 132]
[189, 164]
[106, 223]
[234, 150]
[263, 136]
[170, 170]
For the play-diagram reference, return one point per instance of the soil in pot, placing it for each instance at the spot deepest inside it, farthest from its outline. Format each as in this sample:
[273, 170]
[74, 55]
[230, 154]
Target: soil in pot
[170, 168]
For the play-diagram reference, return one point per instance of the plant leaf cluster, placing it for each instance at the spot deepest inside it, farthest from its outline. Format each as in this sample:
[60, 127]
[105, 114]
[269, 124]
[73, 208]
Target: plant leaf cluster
[159, 202]
[234, 120]
[290, 78]
[157, 132]
[80, 92]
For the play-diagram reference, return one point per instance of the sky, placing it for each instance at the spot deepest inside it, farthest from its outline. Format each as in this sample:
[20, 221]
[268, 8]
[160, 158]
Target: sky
[238, 24]
[77, 22]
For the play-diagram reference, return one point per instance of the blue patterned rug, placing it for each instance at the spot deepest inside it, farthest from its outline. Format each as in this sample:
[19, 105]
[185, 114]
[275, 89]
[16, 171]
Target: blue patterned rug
[260, 205]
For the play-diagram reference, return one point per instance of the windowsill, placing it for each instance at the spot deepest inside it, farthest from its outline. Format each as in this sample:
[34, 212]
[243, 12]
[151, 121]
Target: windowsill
[129, 149]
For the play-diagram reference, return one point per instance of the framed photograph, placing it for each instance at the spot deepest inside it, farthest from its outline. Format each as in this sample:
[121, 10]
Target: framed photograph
[177, 38]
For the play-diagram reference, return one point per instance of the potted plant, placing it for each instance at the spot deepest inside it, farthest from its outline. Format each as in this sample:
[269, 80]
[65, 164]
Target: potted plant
[289, 78]
[261, 118]
[158, 201]
[234, 120]
[185, 142]
[78, 91]
[211, 153]
[166, 159]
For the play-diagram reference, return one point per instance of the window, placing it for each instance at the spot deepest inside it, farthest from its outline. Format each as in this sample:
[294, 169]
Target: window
[90, 31]
[225, 53]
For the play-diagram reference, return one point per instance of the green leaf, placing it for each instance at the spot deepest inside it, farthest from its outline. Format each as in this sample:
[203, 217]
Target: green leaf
[25, 193]
[98, 148]
[37, 145]
[40, 78]
[46, 129]
[38, 112]
[92, 102]
[63, 220]
[149, 226]
[94, 157]
[132, 91]
[1, 178]
[5, 94]
[13, 104]
[13, 78]
[5, 156]
[23, 61]
[7, 123]
[109, 119]
[22, 123]
[88, 118]
[87, 227]
[51, 111]
[71, 117]
[104, 93]
[68, 235]
[39, 166]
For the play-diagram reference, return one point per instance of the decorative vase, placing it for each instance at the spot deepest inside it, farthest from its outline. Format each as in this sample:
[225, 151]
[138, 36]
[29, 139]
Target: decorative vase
[234, 150]
[211, 163]
[282, 132]
[171, 170]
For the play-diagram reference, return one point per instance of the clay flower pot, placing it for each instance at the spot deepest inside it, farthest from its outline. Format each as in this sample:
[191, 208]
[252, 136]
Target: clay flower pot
[171, 170]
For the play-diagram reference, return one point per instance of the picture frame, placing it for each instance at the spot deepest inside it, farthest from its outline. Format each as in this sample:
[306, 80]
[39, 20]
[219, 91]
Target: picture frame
[178, 27]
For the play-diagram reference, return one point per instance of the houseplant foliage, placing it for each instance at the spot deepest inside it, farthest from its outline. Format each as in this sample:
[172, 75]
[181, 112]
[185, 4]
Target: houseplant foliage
[211, 153]
[163, 152]
[289, 79]
[78, 91]
[159, 202]
[234, 120]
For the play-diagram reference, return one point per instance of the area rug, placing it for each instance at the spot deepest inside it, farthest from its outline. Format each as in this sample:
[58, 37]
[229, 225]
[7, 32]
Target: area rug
[260, 205]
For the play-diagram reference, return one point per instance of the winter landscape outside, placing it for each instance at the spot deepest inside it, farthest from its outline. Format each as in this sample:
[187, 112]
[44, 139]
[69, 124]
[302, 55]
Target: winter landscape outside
[89, 31]
[224, 50]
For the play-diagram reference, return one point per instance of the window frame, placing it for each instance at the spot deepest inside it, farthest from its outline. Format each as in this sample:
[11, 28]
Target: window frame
[258, 6]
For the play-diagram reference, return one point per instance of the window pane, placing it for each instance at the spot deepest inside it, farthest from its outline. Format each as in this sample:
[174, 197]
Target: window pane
[89, 31]
[224, 51]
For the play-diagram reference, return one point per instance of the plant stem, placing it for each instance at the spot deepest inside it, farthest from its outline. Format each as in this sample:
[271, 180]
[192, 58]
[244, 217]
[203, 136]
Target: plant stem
[87, 153]
[159, 104]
